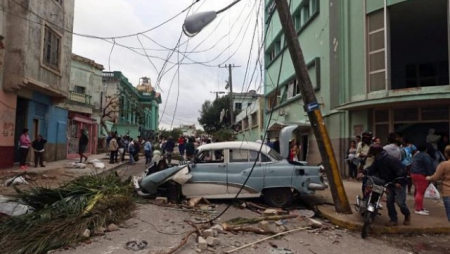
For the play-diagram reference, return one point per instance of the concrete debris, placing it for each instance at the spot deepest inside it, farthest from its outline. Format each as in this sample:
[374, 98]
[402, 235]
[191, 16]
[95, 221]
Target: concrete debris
[99, 165]
[212, 241]
[112, 227]
[14, 208]
[161, 200]
[198, 250]
[136, 245]
[209, 233]
[99, 231]
[202, 244]
[86, 233]
[16, 181]
[270, 212]
[264, 225]
[218, 228]
[314, 223]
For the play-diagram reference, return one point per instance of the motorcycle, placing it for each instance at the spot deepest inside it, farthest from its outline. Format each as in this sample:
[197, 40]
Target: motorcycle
[369, 205]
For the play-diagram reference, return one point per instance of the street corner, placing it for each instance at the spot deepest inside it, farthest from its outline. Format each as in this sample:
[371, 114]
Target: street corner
[354, 222]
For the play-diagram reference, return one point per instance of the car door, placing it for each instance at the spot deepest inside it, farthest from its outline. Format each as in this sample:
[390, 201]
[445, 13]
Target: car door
[209, 176]
[239, 166]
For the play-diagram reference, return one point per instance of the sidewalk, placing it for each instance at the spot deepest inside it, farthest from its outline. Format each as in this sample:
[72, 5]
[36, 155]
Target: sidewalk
[435, 223]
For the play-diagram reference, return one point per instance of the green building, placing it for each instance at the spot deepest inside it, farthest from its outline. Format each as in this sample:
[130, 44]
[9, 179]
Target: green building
[130, 110]
[378, 65]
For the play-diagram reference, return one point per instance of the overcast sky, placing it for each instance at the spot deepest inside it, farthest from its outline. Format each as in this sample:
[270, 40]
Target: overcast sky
[184, 87]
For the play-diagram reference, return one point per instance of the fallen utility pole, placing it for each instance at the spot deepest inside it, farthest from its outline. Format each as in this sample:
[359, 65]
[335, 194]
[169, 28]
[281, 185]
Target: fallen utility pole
[311, 107]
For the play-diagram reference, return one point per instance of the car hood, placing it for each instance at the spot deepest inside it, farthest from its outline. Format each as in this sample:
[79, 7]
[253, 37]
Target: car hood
[179, 174]
[285, 136]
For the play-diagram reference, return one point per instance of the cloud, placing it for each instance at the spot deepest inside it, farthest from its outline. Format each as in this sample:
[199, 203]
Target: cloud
[184, 87]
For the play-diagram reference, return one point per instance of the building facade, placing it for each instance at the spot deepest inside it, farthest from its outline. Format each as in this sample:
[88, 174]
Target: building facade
[83, 104]
[378, 65]
[251, 121]
[132, 110]
[36, 70]
[187, 130]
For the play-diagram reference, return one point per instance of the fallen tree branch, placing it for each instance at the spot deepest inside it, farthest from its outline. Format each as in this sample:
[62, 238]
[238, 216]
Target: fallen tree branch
[233, 229]
[256, 206]
[184, 240]
[240, 220]
[267, 238]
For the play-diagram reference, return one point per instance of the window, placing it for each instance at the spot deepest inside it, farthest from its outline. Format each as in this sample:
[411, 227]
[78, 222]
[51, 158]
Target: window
[273, 100]
[79, 89]
[293, 88]
[239, 155]
[306, 12]
[52, 48]
[376, 51]
[238, 106]
[254, 119]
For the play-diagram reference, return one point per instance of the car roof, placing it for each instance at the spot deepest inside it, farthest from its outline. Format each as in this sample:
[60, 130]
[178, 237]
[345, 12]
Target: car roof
[255, 146]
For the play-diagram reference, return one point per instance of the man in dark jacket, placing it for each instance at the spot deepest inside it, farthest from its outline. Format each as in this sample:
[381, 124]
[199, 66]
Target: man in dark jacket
[391, 170]
[38, 146]
[170, 145]
[82, 143]
[276, 145]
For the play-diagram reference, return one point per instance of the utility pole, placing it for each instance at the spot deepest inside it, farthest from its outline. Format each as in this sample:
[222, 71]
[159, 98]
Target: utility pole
[217, 93]
[340, 199]
[230, 84]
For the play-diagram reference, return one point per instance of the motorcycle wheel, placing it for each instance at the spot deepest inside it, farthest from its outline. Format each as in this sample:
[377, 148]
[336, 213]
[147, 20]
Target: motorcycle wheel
[367, 221]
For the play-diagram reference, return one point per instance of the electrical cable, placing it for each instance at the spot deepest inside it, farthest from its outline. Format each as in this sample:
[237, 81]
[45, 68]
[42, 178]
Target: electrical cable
[110, 37]
[257, 157]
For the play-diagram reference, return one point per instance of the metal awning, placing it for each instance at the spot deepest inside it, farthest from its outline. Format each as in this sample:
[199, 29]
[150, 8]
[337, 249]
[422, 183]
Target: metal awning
[275, 126]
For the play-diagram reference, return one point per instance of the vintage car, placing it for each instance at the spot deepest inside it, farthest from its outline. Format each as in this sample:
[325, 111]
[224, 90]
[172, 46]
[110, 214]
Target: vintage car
[222, 170]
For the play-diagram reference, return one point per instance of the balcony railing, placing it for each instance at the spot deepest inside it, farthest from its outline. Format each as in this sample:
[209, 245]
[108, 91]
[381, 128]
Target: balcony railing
[80, 97]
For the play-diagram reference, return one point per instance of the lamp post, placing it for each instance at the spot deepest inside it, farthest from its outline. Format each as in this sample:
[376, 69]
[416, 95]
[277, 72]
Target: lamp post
[196, 22]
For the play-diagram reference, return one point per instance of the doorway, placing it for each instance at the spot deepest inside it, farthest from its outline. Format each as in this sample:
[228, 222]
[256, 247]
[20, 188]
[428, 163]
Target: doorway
[21, 123]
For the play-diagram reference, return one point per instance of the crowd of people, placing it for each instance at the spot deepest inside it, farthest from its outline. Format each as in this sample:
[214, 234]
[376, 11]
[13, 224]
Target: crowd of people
[404, 164]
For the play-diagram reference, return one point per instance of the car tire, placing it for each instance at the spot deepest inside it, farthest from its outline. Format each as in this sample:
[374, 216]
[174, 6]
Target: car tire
[278, 197]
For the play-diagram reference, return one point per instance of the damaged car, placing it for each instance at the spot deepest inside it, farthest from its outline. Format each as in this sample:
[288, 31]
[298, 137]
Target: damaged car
[224, 169]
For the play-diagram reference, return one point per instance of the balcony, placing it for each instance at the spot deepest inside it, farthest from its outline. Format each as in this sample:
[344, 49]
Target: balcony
[80, 97]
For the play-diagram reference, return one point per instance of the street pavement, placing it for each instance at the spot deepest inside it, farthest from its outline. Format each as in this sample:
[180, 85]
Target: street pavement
[436, 222]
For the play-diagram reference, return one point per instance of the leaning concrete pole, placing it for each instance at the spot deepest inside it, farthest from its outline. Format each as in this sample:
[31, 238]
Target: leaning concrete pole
[313, 110]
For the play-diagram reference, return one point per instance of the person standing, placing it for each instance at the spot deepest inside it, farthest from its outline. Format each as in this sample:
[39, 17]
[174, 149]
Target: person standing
[422, 166]
[24, 146]
[352, 166]
[190, 149]
[391, 170]
[181, 145]
[170, 145]
[131, 151]
[362, 150]
[38, 146]
[82, 143]
[113, 149]
[443, 172]
[276, 145]
[393, 146]
[148, 151]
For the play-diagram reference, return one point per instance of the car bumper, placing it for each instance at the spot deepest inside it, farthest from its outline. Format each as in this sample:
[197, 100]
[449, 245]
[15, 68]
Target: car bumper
[317, 186]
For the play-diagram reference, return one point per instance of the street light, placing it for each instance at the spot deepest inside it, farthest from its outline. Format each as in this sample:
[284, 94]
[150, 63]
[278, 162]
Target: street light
[196, 22]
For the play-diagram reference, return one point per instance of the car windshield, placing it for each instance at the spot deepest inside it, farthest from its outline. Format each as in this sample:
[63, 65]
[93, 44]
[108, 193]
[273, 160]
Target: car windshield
[274, 154]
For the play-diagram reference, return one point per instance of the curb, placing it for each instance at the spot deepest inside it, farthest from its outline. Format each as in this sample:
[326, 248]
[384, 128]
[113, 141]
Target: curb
[347, 221]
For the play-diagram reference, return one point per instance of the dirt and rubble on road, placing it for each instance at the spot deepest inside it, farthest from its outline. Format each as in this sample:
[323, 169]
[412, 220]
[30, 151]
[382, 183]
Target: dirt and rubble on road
[166, 228]
[419, 243]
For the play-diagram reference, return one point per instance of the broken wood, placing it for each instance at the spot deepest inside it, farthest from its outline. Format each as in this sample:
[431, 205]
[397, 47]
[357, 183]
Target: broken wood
[240, 220]
[256, 206]
[185, 238]
[267, 238]
[233, 229]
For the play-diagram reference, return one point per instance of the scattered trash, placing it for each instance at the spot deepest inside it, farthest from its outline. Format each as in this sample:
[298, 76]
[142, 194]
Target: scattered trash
[136, 245]
[15, 181]
[74, 164]
[99, 165]
[280, 251]
[304, 213]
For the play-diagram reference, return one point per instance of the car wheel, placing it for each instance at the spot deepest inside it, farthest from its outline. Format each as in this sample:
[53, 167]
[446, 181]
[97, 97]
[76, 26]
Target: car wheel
[279, 197]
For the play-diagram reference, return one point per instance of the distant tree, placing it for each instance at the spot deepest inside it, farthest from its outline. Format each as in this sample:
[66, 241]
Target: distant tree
[223, 135]
[210, 115]
[110, 110]
[175, 133]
